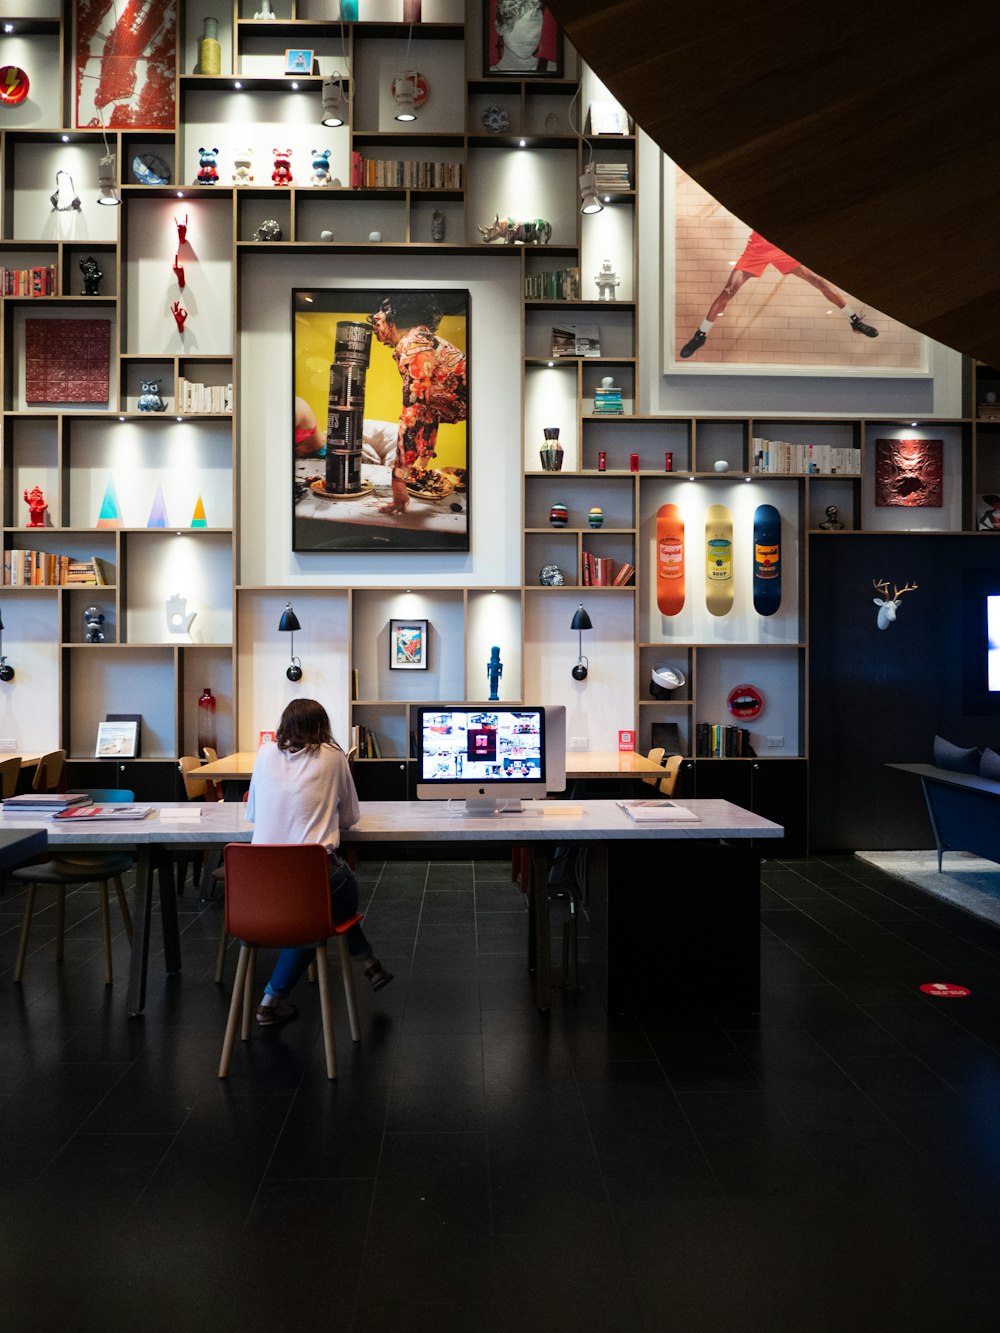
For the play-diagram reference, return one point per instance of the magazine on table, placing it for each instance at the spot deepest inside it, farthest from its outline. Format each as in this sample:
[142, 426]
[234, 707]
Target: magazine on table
[39, 801]
[113, 811]
[658, 812]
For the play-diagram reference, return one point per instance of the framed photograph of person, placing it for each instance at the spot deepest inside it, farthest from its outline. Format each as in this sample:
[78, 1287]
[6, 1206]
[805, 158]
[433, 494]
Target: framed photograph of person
[407, 645]
[521, 38]
[379, 436]
[298, 60]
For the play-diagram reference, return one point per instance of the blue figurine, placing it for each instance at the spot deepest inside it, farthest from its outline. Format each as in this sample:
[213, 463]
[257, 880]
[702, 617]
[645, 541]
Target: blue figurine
[494, 670]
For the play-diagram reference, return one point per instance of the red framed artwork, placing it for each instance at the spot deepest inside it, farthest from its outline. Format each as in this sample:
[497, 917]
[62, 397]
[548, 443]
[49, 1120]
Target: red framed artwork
[126, 58]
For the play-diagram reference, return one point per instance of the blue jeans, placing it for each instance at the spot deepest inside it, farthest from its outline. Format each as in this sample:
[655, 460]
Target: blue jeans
[292, 963]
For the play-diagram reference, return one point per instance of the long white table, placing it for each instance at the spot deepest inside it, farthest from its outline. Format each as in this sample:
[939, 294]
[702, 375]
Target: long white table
[643, 879]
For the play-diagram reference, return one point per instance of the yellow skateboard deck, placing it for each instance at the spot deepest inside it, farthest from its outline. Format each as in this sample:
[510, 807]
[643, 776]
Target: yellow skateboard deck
[718, 560]
[669, 560]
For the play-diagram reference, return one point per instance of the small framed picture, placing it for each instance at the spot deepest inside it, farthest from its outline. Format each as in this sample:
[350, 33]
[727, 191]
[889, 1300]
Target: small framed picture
[117, 740]
[299, 60]
[520, 38]
[408, 645]
[129, 717]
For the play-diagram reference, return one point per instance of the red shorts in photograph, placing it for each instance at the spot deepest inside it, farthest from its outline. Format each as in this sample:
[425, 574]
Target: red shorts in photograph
[759, 253]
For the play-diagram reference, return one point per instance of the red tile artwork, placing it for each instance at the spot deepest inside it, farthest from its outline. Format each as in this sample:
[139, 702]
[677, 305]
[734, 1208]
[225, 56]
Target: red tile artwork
[67, 360]
[126, 56]
[909, 473]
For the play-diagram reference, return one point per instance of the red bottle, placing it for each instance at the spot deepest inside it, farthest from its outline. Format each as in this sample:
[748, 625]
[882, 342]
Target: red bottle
[206, 721]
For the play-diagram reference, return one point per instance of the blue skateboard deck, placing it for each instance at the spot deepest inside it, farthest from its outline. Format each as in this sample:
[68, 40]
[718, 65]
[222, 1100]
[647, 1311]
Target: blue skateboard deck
[766, 560]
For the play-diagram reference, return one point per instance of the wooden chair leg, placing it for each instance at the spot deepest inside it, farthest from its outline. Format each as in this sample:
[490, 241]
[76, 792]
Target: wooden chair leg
[22, 944]
[234, 1011]
[349, 993]
[248, 994]
[311, 974]
[220, 957]
[123, 907]
[106, 933]
[60, 921]
[326, 1009]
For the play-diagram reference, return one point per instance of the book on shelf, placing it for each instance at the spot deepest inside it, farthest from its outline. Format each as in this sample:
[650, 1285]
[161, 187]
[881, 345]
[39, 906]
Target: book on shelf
[611, 176]
[47, 569]
[367, 743]
[626, 572]
[779, 456]
[203, 398]
[370, 173]
[576, 340]
[599, 571]
[608, 401]
[715, 740]
[561, 284]
[42, 280]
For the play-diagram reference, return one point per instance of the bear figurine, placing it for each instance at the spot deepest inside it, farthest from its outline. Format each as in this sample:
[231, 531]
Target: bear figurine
[208, 173]
[321, 167]
[93, 624]
[149, 399]
[243, 167]
[282, 173]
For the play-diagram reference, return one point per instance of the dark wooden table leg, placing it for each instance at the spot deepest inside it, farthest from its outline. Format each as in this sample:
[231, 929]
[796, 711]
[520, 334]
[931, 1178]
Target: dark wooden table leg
[168, 912]
[538, 890]
[139, 960]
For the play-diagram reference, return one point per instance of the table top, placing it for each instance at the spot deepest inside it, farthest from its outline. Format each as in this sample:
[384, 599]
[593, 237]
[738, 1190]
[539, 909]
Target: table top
[579, 764]
[410, 821]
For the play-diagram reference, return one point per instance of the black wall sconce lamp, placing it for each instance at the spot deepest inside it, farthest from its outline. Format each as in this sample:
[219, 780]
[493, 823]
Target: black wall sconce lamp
[6, 670]
[288, 624]
[580, 622]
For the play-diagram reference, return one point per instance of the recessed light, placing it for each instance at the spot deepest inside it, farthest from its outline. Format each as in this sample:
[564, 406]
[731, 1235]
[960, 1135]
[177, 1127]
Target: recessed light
[65, 138]
[522, 143]
[237, 84]
[295, 87]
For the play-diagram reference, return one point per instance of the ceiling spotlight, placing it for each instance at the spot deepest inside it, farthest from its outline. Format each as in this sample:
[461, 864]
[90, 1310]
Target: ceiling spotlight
[580, 622]
[334, 106]
[404, 93]
[107, 176]
[589, 200]
[288, 624]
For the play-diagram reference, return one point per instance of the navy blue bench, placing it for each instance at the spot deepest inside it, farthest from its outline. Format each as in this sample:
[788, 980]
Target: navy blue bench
[964, 810]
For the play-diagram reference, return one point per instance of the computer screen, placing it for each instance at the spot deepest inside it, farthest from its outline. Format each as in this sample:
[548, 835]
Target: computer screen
[484, 755]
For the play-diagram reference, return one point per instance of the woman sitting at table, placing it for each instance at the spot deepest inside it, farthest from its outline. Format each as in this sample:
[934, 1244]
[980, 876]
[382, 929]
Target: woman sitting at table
[302, 791]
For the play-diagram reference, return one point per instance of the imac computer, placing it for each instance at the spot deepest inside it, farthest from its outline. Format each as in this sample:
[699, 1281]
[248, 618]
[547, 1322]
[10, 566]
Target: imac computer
[492, 756]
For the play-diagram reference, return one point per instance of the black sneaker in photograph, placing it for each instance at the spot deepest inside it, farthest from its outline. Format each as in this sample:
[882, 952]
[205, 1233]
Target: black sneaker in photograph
[859, 327]
[692, 344]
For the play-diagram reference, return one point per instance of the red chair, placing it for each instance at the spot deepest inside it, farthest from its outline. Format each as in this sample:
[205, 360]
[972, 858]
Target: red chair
[278, 896]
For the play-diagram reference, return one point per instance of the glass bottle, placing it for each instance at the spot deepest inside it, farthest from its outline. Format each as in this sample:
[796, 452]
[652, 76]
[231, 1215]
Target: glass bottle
[209, 50]
[206, 721]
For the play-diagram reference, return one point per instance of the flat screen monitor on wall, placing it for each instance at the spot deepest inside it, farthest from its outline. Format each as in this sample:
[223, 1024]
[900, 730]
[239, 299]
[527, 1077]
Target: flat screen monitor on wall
[491, 756]
[981, 646]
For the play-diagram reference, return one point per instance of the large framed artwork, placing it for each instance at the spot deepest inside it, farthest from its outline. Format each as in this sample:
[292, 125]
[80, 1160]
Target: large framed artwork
[521, 38]
[126, 55]
[380, 419]
[739, 304]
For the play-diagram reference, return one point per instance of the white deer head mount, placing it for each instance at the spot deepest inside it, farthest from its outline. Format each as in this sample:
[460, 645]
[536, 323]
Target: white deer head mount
[887, 606]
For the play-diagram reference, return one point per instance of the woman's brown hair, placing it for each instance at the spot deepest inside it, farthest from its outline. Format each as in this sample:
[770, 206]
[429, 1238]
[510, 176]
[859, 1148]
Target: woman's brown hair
[304, 725]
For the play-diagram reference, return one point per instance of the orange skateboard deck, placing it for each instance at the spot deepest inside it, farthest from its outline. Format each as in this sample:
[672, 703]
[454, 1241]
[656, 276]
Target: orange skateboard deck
[718, 560]
[669, 560]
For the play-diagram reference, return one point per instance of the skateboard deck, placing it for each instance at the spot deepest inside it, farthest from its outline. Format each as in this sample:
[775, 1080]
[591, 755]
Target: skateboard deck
[766, 560]
[669, 560]
[718, 560]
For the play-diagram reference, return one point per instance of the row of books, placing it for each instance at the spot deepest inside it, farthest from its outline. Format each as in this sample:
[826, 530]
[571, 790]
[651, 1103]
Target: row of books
[608, 402]
[714, 740]
[39, 281]
[600, 571]
[779, 456]
[561, 284]
[366, 741]
[611, 176]
[46, 569]
[369, 173]
[193, 397]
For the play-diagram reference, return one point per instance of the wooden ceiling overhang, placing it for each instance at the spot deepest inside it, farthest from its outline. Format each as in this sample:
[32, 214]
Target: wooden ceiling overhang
[864, 138]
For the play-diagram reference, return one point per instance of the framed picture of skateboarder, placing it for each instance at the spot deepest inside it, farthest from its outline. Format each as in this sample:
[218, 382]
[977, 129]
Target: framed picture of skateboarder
[380, 419]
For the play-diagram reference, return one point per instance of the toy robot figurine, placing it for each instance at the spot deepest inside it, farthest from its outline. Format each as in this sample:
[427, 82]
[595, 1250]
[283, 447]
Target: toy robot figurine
[607, 280]
[93, 624]
[494, 670]
[92, 275]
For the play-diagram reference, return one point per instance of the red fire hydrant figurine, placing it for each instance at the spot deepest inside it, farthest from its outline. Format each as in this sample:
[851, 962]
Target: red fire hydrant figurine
[35, 501]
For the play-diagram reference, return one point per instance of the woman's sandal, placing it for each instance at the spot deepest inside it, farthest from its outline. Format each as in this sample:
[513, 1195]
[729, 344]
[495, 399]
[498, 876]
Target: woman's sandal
[377, 975]
[269, 1015]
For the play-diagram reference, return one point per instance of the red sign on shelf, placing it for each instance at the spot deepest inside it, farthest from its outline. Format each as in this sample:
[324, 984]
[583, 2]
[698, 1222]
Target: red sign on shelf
[626, 740]
[944, 989]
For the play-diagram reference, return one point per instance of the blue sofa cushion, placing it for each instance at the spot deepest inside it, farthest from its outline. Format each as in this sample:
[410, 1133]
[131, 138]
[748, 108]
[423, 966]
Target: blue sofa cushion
[989, 765]
[955, 757]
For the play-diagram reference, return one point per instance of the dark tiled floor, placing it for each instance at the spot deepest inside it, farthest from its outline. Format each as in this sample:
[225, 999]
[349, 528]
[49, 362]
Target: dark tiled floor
[832, 1163]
